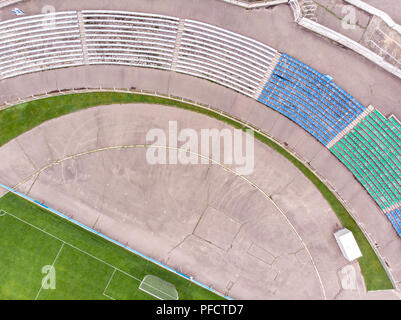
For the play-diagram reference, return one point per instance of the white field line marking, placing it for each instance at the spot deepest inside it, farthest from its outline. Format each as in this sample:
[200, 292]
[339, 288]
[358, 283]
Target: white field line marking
[72, 246]
[76, 248]
[2, 212]
[108, 283]
[110, 297]
[211, 160]
[54, 261]
[150, 293]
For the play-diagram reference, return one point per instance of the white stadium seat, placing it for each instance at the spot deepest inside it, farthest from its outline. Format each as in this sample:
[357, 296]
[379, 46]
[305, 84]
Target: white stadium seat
[61, 39]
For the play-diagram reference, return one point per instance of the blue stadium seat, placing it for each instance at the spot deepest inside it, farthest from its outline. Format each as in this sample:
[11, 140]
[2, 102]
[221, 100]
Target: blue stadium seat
[395, 219]
[310, 99]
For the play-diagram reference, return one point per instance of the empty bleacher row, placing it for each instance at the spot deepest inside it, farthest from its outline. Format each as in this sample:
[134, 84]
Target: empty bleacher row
[372, 151]
[310, 99]
[224, 57]
[40, 42]
[130, 38]
[48, 41]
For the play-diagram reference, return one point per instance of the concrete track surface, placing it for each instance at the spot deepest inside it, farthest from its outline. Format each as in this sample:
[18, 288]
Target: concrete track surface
[267, 235]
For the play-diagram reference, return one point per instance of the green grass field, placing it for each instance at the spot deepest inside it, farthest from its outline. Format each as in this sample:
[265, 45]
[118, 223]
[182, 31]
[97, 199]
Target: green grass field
[86, 266]
[22, 117]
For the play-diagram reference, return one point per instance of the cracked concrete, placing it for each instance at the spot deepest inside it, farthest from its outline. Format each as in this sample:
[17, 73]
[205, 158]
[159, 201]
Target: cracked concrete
[204, 220]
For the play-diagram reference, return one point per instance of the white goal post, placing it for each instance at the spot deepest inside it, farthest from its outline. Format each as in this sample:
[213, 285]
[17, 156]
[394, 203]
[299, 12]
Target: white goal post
[158, 288]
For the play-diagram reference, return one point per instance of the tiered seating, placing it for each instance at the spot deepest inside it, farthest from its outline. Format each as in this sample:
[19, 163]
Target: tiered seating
[39, 42]
[310, 99]
[130, 38]
[372, 151]
[224, 57]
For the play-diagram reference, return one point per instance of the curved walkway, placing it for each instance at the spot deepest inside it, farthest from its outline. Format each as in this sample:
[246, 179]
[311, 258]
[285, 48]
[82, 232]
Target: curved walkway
[69, 184]
[123, 118]
[356, 199]
[284, 132]
[150, 35]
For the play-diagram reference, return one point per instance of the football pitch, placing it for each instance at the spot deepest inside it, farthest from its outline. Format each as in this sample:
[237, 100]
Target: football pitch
[43, 256]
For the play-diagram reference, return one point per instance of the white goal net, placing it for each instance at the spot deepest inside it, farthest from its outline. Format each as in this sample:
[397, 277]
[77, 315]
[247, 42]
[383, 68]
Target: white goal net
[158, 288]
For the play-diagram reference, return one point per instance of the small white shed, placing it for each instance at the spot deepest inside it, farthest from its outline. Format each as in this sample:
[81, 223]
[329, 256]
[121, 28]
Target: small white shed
[347, 244]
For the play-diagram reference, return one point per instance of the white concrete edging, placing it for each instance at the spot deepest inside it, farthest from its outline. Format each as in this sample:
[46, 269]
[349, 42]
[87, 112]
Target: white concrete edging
[255, 5]
[376, 12]
[351, 44]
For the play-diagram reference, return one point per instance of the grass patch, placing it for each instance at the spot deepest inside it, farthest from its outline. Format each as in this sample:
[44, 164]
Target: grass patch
[87, 266]
[20, 118]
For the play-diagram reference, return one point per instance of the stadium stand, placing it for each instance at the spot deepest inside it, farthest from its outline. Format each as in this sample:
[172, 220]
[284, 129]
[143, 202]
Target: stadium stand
[62, 39]
[224, 57]
[41, 42]
[310, 99]
[129, 38]
[372, 151]
[365, 141]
